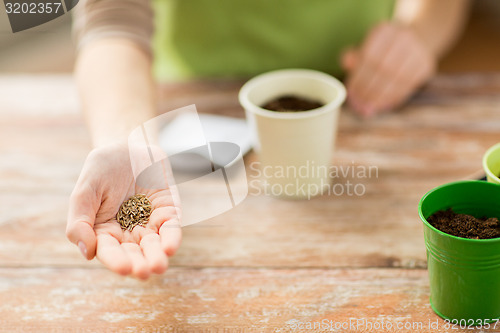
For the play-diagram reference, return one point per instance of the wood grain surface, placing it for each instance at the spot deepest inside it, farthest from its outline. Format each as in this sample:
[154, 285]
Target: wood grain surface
[267, 265]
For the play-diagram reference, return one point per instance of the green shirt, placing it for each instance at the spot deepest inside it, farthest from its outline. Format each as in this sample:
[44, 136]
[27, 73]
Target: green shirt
[228, 38]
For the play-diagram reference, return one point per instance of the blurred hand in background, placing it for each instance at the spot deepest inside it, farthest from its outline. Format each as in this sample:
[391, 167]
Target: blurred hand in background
[387, 69]
[396, 58]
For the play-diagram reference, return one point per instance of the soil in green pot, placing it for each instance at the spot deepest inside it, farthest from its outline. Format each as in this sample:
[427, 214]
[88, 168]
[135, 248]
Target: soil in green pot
[466, 226]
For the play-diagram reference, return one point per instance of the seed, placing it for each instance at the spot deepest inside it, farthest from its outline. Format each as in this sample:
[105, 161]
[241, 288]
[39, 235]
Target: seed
[135, 211]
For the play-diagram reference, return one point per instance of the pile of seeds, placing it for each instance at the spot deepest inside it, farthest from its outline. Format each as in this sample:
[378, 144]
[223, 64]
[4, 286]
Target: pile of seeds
[135, 211]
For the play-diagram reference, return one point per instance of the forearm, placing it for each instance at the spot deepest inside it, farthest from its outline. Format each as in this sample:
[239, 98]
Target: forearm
[438, 23]
[116, 88]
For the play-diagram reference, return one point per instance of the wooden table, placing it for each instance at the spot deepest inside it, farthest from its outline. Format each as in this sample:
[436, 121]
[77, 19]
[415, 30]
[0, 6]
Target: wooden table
[268, 264]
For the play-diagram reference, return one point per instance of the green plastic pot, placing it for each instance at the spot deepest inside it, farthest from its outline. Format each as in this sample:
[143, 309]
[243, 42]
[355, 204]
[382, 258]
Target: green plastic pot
[464, 274]
[491, 164]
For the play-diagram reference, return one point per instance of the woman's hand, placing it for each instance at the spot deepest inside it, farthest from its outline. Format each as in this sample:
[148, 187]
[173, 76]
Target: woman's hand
[105, 182]
[391, 64]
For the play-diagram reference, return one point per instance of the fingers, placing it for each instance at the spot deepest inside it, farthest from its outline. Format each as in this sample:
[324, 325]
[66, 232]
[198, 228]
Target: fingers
[392, 64]
[113, 255]
[142, 251]
[155, 257]
[140, 267]
[166, 222]
[130, 258]
[83, 207]
[170, 236]
[394, 92]
[358, 88]
[373, 69]
[160, 215]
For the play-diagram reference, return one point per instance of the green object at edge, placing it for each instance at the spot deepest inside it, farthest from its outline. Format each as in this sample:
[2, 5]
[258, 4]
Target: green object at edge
[491, 164]
[464, 274]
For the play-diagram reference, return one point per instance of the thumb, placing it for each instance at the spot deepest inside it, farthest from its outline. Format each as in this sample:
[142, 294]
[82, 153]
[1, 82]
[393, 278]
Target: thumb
[350, 59]
[83, 207]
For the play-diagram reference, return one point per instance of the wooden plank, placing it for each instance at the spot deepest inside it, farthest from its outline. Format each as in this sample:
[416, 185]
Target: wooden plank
[215, 300]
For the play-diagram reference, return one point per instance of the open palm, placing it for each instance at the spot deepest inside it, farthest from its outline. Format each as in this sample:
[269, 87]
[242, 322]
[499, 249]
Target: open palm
[106, 181]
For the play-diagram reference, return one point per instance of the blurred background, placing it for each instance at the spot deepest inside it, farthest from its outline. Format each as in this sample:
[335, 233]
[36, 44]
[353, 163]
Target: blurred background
[49, 48]
[44, 49]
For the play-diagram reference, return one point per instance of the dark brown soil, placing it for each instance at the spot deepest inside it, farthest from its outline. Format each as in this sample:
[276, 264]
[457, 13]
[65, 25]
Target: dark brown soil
[466, 226]
[290, 103]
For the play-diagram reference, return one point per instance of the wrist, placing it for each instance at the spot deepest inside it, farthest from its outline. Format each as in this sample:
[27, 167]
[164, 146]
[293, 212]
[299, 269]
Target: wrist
[116, 125]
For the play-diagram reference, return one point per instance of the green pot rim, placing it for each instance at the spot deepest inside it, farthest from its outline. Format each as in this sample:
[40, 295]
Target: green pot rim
[485, 162]
[422, 217]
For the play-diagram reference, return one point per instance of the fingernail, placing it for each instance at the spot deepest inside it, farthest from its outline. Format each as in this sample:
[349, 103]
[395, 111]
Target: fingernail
[83, 248]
